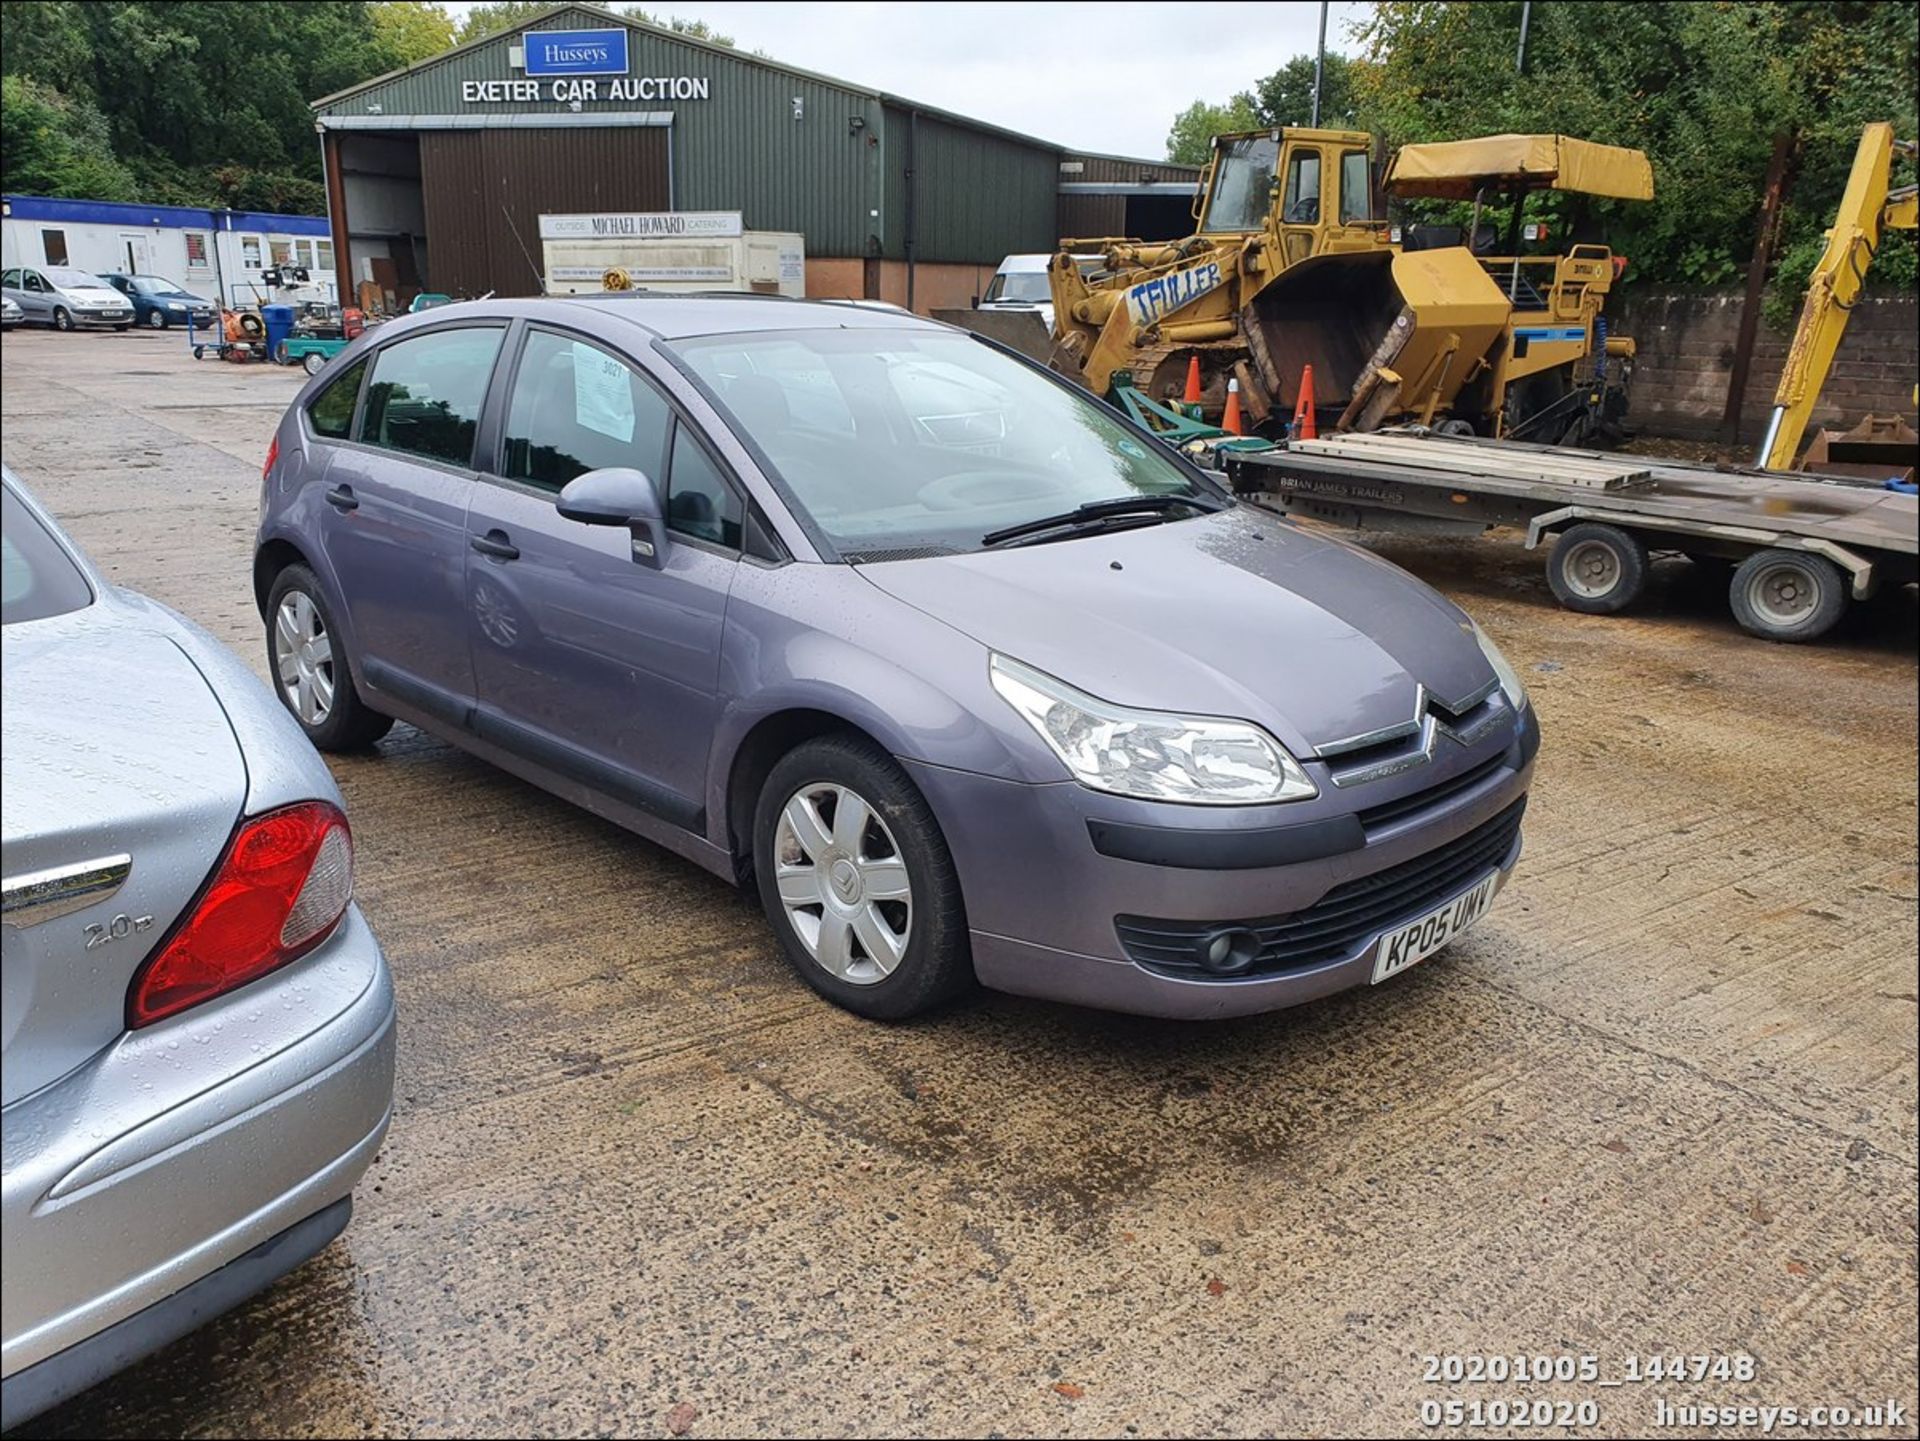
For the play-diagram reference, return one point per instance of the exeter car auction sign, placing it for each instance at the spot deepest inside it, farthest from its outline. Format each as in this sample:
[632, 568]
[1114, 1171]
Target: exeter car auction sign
[642, 225]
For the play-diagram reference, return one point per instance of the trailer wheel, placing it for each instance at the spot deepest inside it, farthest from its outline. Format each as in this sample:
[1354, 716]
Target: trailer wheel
[1787, 595]
[1597, 569]
[199, 352]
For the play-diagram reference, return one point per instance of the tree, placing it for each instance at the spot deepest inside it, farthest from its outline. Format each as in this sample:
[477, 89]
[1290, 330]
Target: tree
[1286, 96]
[1190, 141]
[406, 31]
[54, 144]
[1701, 88]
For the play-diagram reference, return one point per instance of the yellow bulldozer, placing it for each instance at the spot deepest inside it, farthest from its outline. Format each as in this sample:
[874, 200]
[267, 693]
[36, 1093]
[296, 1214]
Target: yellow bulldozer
[1293, 264]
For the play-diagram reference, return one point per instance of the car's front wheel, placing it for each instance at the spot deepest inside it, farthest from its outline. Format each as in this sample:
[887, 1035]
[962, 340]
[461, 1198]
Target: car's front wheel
[157, 319]
[309, 663]
[62, 318]
[857, 881]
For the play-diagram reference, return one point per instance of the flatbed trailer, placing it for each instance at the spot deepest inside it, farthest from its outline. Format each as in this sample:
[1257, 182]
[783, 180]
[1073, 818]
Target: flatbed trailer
[1798, 546]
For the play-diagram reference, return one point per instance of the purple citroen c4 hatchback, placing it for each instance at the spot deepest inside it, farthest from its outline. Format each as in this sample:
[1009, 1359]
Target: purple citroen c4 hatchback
[968, 675]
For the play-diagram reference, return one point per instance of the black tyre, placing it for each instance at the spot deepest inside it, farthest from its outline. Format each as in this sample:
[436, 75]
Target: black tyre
[280, 356]
[1787, 595]
[62, 318]
[199, 352]
[857, 881]
[156, 320]
[308, 662]
[313, 362]
[1597, 569]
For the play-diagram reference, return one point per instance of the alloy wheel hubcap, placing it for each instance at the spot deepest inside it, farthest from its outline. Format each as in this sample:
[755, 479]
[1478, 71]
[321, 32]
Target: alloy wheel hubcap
[843, 883]
[303, 657]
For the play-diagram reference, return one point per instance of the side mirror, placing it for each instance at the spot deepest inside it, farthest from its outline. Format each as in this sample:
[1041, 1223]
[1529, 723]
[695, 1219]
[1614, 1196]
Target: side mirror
[619, 495]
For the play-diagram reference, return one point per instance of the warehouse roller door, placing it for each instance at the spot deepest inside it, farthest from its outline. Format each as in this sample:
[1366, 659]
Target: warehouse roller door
[472, 181]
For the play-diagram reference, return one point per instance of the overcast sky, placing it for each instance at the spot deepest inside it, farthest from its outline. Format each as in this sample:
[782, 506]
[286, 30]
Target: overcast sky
[1105, 77]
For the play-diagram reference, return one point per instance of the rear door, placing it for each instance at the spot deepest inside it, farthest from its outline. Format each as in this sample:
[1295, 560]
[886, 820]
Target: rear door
[395, 524]
[588, 662]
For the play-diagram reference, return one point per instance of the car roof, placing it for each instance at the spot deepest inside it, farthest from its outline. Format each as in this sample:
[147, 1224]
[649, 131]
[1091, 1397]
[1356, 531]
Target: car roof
[680, 317]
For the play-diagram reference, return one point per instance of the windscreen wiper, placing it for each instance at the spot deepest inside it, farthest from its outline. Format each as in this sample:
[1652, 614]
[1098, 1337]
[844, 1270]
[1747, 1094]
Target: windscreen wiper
[1096, 512]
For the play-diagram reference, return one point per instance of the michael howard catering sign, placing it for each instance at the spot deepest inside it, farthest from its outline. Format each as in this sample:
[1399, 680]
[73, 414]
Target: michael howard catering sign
[576, 52]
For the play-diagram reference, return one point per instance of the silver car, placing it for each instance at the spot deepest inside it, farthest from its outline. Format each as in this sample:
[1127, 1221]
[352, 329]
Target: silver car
[65, 298]
[199, 1026]
[10, 313]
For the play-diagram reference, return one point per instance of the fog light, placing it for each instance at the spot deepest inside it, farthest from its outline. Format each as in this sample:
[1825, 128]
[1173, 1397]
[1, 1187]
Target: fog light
[1228, 952]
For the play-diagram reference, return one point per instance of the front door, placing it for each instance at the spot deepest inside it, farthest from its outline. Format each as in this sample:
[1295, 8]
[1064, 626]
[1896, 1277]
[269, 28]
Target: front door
[587, 661]
[1300, 211]
[395, 523]
[134, 250]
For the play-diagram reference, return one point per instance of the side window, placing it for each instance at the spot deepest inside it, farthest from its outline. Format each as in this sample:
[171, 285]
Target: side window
[700, 503]
[1301, 203]
[10, 277]
[1356, 188]
[426, 393]
[34, 282]
[577, 408]
[332, 410]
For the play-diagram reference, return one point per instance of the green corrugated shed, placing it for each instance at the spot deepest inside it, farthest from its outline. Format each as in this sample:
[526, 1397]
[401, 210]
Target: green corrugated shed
[824, 174]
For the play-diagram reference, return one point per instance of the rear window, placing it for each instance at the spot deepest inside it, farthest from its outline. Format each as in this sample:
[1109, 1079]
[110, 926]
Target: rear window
[332, 409]
[37, 577]
[426, 393]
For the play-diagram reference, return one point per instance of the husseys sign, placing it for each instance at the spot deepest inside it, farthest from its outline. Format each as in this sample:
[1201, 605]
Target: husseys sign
[571, 66]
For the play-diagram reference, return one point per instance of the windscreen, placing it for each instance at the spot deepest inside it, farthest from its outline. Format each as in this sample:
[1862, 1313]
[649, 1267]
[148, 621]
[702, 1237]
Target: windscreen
[894, 440]
[1242, 184]
[1025, 286]
[67, 278]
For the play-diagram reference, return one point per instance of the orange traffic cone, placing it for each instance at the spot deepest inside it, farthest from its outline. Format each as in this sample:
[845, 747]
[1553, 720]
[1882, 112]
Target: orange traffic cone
[1304, 427]
[1231, 421]
[1192, 397]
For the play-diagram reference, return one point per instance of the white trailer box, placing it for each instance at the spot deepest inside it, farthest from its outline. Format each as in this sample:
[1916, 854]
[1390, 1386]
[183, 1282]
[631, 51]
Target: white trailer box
[674, 251]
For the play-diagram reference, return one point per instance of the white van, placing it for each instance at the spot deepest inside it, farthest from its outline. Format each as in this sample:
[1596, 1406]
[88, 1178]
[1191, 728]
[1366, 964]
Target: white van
[1021, 284]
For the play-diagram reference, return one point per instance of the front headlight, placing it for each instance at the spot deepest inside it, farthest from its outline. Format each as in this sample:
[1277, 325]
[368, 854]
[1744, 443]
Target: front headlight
[1508, 676]
[176, 305]
[1152, 755]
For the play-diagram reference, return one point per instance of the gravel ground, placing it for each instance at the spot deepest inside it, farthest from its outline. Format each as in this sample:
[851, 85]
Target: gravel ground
[1661, 1101]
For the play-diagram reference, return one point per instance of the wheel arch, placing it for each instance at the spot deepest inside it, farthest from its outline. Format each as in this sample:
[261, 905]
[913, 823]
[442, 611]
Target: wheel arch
[272, 557]
[768, 739]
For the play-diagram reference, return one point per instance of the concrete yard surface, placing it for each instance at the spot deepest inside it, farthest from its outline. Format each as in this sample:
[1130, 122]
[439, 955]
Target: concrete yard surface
[1661, 1101]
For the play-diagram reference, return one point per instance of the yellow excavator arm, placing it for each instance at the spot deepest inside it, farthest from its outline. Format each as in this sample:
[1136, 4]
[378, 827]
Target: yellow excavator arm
[1867, 209]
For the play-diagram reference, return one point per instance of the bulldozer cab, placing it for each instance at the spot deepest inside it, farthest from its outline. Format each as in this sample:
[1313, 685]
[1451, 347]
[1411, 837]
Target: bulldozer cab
[1311, 190]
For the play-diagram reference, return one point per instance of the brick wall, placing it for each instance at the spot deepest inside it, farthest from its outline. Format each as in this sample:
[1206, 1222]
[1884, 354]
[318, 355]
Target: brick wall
[1686, 341]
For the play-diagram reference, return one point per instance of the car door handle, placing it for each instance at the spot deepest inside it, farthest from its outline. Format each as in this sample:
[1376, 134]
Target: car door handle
[496, 544]
[341, 497]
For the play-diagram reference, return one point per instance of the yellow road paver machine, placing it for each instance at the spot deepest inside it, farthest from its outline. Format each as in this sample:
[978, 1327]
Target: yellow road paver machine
[1295, 265]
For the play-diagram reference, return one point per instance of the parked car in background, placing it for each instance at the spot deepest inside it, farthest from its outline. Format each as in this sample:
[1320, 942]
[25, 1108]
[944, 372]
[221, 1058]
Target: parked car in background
[65, 298]
[10, 313]
[199, 1026]
[967, 673]
[159, 303]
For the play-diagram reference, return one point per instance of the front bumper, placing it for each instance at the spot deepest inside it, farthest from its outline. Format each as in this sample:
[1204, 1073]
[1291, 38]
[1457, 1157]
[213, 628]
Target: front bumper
[188, 1144]
[100, 319]
[1042, 901]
